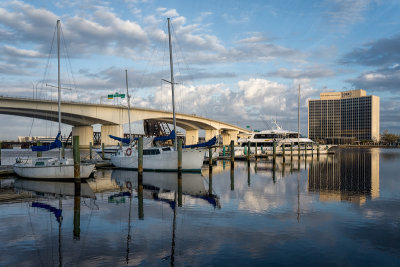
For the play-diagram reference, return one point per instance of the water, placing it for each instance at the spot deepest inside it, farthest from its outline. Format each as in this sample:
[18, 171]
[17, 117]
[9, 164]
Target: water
[342, 209]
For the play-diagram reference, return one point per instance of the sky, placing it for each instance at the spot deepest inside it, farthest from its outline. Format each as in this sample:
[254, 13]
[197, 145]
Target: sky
[240, 62]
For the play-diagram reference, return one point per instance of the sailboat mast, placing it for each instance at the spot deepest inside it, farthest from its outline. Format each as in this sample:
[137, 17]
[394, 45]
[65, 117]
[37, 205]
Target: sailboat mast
[171, 64]
[129, 105]
[59, 83]
[298, 118]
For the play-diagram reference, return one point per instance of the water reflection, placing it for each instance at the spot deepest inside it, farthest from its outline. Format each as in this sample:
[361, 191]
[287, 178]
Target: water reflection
[346, 177]
[42, 198]
[163, 186]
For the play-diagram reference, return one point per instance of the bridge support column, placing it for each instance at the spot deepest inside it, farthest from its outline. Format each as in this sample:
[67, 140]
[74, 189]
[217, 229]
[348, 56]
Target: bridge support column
[192, 137]
[115, 130]
[210, 134]
[229, 135]
[85, 134]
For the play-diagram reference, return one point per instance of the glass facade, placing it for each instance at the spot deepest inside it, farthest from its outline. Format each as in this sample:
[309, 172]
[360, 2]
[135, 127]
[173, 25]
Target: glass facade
[339, 121]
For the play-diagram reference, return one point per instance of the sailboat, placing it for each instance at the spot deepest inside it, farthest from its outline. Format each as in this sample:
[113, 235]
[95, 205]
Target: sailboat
[161, 158]
[51, 167]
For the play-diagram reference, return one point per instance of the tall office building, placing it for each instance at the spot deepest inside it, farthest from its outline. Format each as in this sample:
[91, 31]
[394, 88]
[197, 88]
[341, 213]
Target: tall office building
[344, 117]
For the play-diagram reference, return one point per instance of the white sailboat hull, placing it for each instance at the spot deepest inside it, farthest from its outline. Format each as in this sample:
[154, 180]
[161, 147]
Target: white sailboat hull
[47, 171]
[192, 160]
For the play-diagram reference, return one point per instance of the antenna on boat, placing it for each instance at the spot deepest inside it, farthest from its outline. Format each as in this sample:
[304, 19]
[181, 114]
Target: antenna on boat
[129, 105]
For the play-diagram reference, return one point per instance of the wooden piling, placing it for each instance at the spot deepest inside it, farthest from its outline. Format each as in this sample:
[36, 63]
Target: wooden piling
[140, 196]
[210, 180]
[283, 152]
[318, 150]
[248, 151]
[90, 150]
[179, 155]
[274, 152]
[298, 149]
[179, 189]
[223, 151]
[39, 153]
[102, 150]
[312, 150]
[291, 150]
[232, 152]
[210, 156]
[140, 155]
[0, 153]
[77, 157]
[255, 153]
[63, 150]
[77, 209]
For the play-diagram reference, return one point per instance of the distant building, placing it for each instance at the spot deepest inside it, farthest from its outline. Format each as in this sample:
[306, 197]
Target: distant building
[344, 117]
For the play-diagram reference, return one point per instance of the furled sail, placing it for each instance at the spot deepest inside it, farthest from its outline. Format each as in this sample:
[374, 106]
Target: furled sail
[209, 143]
[57, 143]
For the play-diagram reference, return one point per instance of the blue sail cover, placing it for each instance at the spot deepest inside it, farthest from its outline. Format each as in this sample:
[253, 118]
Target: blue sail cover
[159, 138]
[210, 142]
[120, 139]
[57, 212]
[57, 143]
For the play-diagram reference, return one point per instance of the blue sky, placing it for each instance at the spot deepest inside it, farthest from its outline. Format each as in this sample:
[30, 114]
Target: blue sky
[236, 61]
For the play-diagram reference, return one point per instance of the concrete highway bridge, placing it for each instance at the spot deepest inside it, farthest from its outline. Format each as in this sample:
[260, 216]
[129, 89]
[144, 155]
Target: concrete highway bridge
[111, 117]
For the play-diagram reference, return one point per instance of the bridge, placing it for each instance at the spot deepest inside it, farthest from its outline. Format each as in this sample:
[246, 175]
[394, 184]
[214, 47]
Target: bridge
[112, 117]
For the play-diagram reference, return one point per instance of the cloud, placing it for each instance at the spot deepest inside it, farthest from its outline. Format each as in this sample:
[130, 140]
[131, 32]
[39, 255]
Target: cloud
[376, 53]
[344, 12]
[384, 80]
[312, 73]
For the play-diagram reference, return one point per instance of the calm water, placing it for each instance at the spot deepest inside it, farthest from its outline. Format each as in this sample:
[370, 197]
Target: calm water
[341, 210]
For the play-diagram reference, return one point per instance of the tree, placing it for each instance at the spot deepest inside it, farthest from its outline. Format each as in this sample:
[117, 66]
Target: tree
[389, 138]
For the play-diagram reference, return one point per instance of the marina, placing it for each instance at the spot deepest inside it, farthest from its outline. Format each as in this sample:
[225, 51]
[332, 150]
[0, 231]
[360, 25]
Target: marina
[248, 214]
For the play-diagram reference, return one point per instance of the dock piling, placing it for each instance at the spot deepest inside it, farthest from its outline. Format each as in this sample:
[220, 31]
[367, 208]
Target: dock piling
[77, 157]
[39, 153]
[90, 150]
[179, 155]
[102, 150]
[140, 156]
[232, 153]
[210, 156]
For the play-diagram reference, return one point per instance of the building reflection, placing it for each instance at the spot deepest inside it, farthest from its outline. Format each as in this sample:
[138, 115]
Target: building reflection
[346, 176]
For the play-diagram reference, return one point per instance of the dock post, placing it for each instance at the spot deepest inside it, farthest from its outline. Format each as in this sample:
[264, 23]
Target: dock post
[102, 150]
[179, 155]
[0, 153]
[318, 150]
[291, 150]
[223, 150]
[232, 177]
[63, 150]
[283, 152]
[180, 189]
[210, 180]
[210, 156]
[39, 153]
[298, 149]
[77, 209]
[248, 151]
[90, 150]
[140, 196]
[274, 152]
[77, 157]
[140, 156]
[255, 153]
[312, 150]
[232, 152]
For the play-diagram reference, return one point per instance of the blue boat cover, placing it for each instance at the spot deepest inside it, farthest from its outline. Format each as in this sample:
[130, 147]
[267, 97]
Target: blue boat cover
[210, 142]
[57, 212]
[159, 138]
[122, 140]
[52, 145]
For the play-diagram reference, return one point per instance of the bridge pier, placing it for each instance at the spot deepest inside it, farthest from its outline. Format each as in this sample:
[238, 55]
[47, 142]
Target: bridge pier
[115, 130]
[210, 134]
[229, 135]
[85, 134]
[192, 137]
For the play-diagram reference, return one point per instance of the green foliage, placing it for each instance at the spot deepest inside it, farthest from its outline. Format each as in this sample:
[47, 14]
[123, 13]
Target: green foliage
[389, 138]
